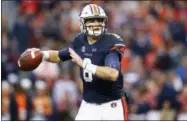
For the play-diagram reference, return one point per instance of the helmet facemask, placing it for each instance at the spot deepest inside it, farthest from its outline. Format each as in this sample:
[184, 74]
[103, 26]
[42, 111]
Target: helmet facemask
[92, 28]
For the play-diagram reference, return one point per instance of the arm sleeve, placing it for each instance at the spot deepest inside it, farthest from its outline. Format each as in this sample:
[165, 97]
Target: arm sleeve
[113, 60]
[64, 54]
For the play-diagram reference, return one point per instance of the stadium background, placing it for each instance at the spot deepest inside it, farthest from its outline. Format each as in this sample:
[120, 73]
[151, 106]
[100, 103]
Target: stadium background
[154, 64]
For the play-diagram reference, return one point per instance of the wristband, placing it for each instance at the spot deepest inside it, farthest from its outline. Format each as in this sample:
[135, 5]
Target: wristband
[45, 55]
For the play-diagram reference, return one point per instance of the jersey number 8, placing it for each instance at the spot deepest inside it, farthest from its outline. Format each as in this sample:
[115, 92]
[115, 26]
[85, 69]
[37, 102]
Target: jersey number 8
[87, 75]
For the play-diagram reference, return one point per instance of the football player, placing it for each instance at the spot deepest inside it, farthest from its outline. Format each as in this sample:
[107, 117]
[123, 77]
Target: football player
[98, 54]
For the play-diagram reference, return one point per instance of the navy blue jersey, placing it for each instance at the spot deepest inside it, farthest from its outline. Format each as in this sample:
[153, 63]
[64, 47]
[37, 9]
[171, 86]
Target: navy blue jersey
[95, 89]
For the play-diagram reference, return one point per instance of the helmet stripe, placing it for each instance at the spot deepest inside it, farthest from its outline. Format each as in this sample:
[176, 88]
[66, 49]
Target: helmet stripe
[94, 9]
[98, 10]
[91, 8]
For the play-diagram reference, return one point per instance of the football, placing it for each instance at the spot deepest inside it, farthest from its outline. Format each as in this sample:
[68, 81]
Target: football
[30, 60]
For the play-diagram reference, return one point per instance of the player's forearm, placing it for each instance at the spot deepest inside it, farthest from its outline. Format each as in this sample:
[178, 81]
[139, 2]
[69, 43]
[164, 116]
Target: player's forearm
[107, 73]
[51, 56]
[104, 72]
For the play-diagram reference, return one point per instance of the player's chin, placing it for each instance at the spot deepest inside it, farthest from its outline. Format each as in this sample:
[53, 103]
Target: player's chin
[97, 33]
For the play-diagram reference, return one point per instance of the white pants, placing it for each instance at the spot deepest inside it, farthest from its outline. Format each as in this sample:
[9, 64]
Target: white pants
[114, 110]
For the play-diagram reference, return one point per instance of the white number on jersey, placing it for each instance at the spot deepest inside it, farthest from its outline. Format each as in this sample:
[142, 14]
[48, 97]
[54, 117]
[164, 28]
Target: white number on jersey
[87, 75]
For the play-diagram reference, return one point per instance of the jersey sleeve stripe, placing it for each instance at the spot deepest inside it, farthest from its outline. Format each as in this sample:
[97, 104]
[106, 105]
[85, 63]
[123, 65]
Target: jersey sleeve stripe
[119, 47]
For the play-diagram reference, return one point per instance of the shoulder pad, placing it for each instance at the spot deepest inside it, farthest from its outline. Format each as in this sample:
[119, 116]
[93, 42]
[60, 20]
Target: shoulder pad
[115, 36]
[77, 41]
[117, 43]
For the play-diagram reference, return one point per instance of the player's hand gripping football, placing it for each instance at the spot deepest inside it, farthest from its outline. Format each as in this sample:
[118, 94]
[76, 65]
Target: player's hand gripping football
[30, 59]
[75, 57]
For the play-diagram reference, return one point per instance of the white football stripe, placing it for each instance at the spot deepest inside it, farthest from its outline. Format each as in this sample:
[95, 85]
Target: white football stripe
[32, 54]
[19, 63]
[120, 45]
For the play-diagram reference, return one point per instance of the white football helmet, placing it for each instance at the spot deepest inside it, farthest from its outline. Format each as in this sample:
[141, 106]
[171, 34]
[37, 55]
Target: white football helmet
[93, 11]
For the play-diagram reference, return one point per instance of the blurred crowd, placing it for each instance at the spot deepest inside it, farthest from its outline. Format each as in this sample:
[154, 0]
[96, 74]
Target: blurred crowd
[154, 64]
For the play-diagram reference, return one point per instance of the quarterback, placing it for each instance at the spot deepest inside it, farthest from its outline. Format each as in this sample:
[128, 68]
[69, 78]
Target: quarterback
[98, 54]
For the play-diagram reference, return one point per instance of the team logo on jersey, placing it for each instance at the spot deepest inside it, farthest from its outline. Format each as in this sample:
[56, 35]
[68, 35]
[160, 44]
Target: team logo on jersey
[113, 105]
[83, 49]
